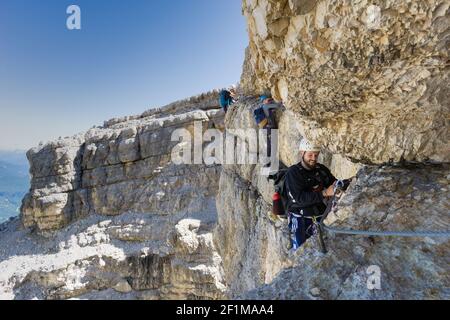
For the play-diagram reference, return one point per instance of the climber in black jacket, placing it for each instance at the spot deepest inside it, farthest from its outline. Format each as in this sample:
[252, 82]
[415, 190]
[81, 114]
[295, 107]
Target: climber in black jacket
[309, 185]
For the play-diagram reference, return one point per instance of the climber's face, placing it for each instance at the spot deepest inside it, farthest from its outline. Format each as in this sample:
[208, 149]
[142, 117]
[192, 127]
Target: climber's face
[309, 158]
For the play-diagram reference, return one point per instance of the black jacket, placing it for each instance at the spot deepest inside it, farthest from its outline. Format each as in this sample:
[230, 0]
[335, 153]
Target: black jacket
[304, 188]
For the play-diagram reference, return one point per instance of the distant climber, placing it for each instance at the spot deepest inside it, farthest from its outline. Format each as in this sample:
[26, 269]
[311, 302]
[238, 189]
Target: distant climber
[227, 97]
[265, 118]
[308, 186]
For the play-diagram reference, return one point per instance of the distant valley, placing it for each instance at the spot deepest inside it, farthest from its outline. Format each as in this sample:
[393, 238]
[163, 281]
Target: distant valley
[14, 182]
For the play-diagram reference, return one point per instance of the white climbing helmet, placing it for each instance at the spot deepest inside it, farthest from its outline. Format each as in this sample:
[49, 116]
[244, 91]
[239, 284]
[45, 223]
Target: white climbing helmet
[305, 145]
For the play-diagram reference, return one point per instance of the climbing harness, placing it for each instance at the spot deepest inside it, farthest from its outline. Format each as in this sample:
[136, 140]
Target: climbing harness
[318, 230]
[315, 229]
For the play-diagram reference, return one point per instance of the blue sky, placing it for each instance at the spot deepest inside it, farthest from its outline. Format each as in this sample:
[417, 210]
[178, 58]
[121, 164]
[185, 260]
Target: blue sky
[128, 56]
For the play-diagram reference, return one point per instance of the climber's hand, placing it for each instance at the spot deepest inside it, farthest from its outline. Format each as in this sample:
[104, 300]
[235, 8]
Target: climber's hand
[329, 192]
[272, 216]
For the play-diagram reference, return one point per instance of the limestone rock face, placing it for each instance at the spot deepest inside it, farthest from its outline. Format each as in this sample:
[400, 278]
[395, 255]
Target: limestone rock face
[120, 168]
[369, 80]
[130, 256]
[110, 215]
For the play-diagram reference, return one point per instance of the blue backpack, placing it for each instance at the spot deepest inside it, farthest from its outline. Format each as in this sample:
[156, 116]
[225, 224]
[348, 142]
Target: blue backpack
[225, 98]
